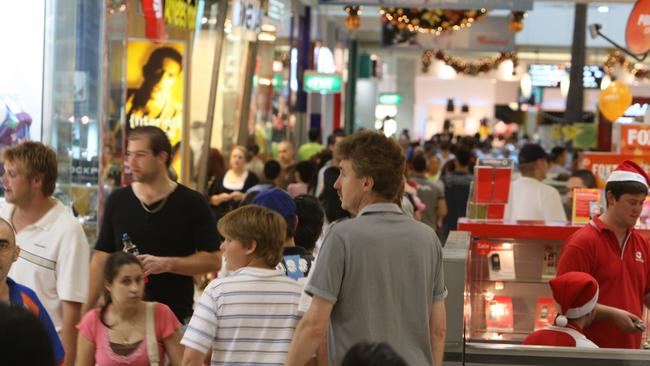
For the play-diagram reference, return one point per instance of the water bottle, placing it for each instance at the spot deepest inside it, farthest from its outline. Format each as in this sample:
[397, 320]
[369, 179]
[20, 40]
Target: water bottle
[128, 246]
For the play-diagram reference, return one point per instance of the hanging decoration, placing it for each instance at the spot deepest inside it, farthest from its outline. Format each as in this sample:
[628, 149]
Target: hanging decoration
[436, 21]
[353, 21]
[617, 58]
[614, 101]
[468, 67]
[516, 22]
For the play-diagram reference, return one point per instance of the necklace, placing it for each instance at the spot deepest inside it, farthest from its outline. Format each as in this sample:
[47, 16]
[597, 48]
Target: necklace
[158, 208]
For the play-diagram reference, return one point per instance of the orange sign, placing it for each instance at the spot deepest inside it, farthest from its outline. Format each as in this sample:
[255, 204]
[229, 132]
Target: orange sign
[602, 164]
[635, 139]
[637, 32]
[586, 204]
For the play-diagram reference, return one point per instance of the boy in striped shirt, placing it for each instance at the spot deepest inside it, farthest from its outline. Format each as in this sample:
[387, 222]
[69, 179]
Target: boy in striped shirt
[248, 317]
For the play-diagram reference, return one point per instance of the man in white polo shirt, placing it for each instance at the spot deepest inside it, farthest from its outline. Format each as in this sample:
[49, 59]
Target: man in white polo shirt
[54, 250]
[530, 199]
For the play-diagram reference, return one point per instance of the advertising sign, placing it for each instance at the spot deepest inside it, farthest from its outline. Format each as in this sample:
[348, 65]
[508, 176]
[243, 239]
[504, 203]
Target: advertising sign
[602, 164]
[637, 31]
[155, 88]
[635, 139]
[321, 83]
[586, 204]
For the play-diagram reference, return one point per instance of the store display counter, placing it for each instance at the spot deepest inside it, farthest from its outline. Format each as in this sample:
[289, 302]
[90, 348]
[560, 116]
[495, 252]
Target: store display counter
[497, 277]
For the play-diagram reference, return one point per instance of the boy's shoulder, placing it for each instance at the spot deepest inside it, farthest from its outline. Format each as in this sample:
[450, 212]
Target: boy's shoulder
[249, 278]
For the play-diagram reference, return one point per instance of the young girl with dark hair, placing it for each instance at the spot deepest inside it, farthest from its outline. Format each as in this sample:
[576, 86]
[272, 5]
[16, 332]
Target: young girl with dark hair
[127, 330]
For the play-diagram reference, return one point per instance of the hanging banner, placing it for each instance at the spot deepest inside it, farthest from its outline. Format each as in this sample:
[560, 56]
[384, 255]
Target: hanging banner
[488, 35]
[580, 135]
[602, 164]
[155, 90]
[637, 31]
[181, 13]
[153, 15]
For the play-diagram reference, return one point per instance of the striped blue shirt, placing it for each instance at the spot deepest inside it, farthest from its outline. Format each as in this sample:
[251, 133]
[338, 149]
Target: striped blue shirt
[248, 318]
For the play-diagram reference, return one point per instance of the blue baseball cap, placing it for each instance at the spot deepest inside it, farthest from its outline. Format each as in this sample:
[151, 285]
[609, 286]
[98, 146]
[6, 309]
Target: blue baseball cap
[277, 200]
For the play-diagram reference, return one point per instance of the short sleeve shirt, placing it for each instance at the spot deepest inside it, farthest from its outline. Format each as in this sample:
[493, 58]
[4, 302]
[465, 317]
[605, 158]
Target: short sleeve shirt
[382, 271]
[622, 275]
[53, 252]
[95, 331]
[531, 199]
[183, 226]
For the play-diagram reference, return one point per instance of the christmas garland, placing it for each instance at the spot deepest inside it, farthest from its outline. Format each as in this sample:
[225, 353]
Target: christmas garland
[434, 21]
[617, 58]
[468, 67]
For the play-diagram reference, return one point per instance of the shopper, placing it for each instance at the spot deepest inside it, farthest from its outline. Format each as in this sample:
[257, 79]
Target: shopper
[171, 225]
[296, 261]
[332, 140]
[128, 330]
[558, 161]
[617, 256]
[305, 171]
[248, 317]
[21, 296]
[530, 199]
[579, 179]
[576, 294]
[311, 148]
[457, 181]
[226, 192]
[255, 164]
[54, 249]
[360, 286]
[429, 193]
[271, 173]
[286, 157]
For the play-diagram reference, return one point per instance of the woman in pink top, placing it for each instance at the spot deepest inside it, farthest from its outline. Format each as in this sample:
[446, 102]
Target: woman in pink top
[116, 334]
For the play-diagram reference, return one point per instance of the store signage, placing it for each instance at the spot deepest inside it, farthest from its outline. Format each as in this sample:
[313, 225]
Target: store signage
[602, 164]
[276, 10]
[586, 204]
[488, 35]
[521, 5]
[390, 98]
[154, 24]
[247, 15]
[180, 13]
[637, 31]
[84, 171]
[314, 82]
[635, 139]
[580, 135]
[551, 75]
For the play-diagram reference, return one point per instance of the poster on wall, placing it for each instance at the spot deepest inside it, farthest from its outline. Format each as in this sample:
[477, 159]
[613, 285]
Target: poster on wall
[155, 91]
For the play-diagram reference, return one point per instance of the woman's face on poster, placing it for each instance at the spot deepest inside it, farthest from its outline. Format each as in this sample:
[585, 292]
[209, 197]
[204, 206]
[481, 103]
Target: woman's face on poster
[170, 71]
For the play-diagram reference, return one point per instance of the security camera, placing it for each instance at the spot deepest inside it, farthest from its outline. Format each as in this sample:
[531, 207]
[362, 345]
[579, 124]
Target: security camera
[594, 30]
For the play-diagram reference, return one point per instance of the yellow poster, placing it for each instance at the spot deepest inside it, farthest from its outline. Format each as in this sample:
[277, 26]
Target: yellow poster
[155, 85]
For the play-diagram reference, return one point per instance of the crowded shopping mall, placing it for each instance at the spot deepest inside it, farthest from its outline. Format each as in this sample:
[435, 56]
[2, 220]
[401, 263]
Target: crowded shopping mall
[325, 183]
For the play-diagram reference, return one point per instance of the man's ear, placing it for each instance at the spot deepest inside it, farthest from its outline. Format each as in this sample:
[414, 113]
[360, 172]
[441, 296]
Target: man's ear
[162, 157]
[367, 184]
[16, 253]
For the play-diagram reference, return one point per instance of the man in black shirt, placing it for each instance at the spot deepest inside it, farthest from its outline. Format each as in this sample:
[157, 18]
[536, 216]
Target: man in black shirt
[172, 226]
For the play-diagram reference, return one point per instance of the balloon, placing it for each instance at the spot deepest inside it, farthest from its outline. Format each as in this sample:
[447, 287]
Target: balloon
[615, 100]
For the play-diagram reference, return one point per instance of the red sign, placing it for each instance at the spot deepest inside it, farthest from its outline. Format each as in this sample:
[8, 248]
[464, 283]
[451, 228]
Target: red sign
[602, 164]
[637, 32]
[635, 139]
[153, 15]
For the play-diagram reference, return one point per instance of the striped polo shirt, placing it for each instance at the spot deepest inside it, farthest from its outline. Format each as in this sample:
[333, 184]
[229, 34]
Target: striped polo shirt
[248, 318]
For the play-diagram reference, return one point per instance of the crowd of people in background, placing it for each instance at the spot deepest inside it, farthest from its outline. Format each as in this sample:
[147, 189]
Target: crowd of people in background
[274, 235]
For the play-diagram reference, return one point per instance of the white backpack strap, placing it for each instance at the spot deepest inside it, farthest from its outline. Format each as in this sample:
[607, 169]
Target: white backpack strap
[152, 343]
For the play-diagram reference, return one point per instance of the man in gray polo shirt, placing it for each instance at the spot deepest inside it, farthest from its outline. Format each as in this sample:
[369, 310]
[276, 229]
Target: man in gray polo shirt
[379, 276]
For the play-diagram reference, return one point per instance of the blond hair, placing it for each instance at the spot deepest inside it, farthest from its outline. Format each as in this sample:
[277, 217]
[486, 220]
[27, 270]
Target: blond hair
[38, 160]
[256, 223]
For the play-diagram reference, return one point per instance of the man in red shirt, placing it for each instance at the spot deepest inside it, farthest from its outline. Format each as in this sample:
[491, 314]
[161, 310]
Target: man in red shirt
[576, 294]
[618, 257]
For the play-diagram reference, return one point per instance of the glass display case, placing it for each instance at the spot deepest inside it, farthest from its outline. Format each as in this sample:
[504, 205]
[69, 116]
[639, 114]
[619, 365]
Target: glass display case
[497, 276]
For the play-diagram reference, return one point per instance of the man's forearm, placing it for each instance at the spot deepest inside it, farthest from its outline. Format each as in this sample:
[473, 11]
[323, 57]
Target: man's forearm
[71, 317]
[438, 344]
[306, 340]
[438, 331]
[195, 264]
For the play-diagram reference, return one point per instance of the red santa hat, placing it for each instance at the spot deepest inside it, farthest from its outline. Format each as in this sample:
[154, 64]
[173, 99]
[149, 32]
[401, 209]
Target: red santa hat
[629, 171]
[575, 294]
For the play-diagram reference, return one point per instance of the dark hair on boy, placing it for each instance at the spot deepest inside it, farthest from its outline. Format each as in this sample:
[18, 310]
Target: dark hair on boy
[310, 221]
[272, 169]
[374, 155]
[313, 134]
[588, 178]
[24, 340]
[556, 152]
[306, 170]
[256, 223]
[157, 138]
[463, 156]
[619, 188]
[372, 354]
